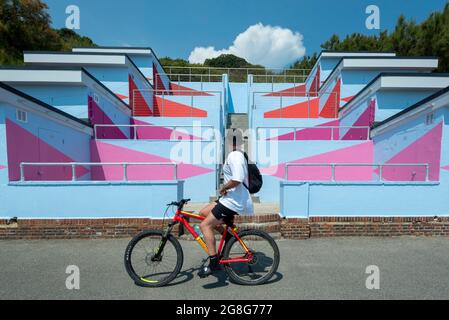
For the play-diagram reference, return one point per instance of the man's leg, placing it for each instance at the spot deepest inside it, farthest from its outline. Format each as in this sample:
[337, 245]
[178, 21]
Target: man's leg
[206, 211]
[207, 226]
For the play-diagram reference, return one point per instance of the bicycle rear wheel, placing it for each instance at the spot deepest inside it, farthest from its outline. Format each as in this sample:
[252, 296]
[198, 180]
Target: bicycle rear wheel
[144, 267]
[265, 260]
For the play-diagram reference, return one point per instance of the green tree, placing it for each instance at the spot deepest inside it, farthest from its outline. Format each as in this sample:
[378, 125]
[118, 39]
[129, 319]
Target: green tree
[26, 25]
[227, 61]
[430, 38]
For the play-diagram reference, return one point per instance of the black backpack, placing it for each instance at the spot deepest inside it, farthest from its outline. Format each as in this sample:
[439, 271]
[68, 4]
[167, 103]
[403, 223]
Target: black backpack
[254, 177]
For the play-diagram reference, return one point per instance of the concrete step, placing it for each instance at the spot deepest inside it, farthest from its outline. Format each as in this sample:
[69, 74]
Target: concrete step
[238, 121]
[259, 208]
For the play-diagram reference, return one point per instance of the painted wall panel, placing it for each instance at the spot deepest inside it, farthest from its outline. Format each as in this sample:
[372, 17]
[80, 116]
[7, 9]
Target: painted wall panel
[273, 155]
[43, 140]
[70, 99]
[416, 142]
[196, 160]
[143, 200]
[367, 200]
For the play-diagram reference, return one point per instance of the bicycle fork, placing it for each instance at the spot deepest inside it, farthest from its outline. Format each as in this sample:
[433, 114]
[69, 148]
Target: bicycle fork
[160, 249]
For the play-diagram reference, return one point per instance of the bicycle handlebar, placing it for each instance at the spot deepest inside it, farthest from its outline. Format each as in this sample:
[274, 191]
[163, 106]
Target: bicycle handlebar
[179, 204]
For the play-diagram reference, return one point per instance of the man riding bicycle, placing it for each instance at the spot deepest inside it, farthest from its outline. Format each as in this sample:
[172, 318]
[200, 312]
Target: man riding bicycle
[235, 199]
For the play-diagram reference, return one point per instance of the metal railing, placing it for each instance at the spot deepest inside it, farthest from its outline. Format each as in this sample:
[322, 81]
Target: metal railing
[150, 94]
[192, 77]
[333, 166]
[235, 74]
[74, 165]
[280, 78]
[174, 128]
[333, 136]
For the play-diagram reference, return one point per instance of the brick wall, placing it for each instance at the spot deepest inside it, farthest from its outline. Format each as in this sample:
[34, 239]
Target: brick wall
[290, 228]
[293, 228]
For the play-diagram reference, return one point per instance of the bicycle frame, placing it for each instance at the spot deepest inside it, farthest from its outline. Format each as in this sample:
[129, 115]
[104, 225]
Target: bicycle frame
[180, 217]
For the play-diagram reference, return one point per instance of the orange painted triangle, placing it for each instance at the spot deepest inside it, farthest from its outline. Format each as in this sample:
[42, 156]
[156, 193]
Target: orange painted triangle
[167, 108]
[299, 110]
[330, 109]
[178, 90]
[121, 96]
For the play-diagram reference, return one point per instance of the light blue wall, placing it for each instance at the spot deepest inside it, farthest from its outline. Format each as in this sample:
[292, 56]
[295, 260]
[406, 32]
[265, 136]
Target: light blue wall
[88, 200]
[115, 79]
[238, 97]
[391, 102]
[327, 65]
[355, 199]
[69, 98]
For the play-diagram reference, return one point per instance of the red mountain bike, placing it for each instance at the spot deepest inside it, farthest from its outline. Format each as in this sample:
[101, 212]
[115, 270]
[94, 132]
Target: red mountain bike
[154, 258]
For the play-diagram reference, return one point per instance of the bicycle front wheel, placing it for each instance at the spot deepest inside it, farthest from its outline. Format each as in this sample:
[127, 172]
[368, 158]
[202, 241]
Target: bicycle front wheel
[145, 267]
[264, 262]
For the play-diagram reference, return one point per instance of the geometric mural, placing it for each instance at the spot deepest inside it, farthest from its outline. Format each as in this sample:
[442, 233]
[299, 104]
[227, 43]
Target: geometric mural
[305, 109]
[365, 120]
[167, 108]
[105, 152]
[426, 149]
[24, 146]
[98, 116]
[314, 133]
[332, 104]
[298, 91]
[360, 154]
[179, 90]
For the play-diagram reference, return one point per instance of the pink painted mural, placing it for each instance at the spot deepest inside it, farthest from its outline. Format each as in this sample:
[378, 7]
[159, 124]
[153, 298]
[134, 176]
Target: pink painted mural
[362, 153]
[98, 116]
[424, 150]
[329, 132]
[104, 152]
[365, 120]
[23, 146]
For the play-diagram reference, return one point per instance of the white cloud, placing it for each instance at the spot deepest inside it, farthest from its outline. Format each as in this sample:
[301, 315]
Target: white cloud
[272, 47]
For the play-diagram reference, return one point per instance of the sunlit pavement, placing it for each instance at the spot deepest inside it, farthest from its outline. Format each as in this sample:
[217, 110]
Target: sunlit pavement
[332, 268]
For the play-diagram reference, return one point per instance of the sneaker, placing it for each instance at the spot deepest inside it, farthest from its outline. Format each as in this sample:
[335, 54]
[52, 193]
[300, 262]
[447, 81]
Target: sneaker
[211, 268]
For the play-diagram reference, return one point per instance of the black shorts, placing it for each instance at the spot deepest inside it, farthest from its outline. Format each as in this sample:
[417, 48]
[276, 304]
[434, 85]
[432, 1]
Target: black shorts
[221, 212]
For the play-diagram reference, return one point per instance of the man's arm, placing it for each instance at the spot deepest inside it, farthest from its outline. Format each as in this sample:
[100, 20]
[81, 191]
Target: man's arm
[230, 185]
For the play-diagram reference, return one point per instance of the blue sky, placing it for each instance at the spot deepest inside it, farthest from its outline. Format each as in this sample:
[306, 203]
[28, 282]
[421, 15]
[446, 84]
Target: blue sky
[174, 28]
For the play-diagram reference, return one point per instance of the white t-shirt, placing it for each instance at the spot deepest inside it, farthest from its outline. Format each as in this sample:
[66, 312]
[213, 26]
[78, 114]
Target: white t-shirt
[237, 199]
